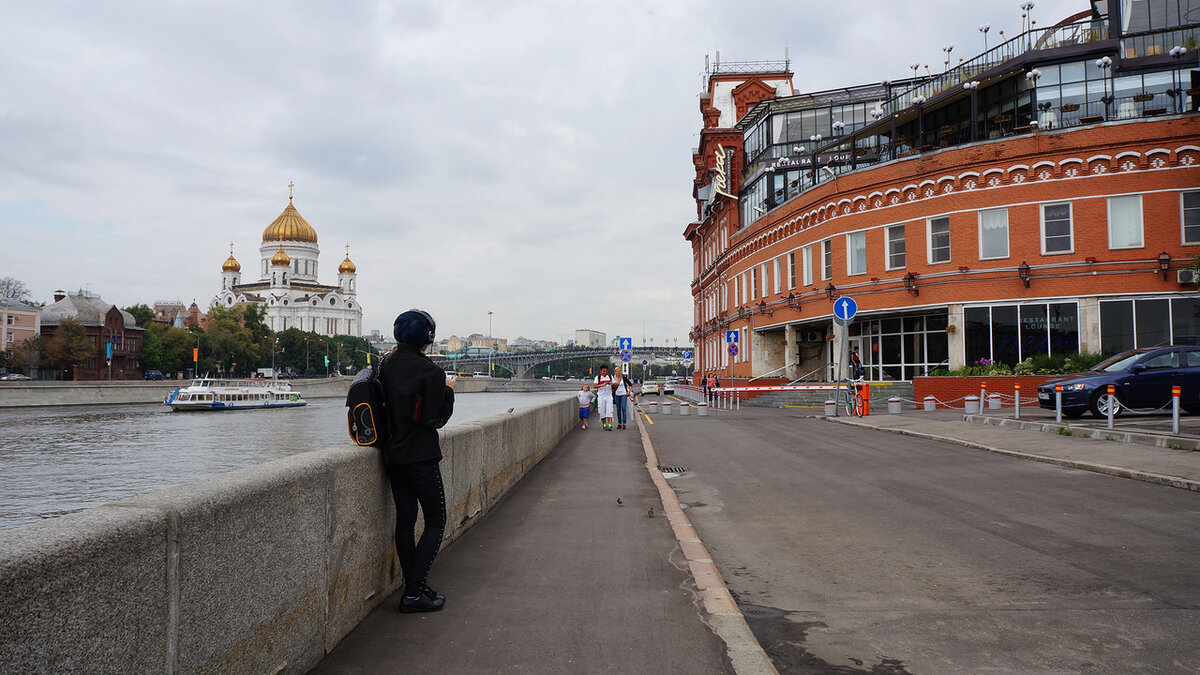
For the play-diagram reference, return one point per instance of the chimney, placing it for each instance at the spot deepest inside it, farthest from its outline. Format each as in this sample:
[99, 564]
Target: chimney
[59, 295]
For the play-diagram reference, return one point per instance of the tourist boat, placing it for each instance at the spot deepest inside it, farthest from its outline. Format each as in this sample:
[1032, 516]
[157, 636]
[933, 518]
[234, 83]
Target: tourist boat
[227, 394]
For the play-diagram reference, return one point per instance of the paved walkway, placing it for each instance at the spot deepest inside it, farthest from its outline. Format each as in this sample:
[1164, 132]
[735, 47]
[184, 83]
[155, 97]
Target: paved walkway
[559, 577]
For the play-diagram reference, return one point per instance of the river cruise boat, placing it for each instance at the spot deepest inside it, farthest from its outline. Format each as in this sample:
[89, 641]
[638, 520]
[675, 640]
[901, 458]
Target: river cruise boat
[227, 394]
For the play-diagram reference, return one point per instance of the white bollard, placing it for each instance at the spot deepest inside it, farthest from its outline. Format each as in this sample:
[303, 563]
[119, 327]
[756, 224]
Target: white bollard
[830, 408]
[653, 405]
[993, 401]
[930, 403]
[701, 409]
[971, 405]
[894, 405]
[666, 407]
[683, 409]
[1175, 410]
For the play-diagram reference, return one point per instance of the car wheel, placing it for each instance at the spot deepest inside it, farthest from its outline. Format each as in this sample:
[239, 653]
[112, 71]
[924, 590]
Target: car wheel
[1099, 405]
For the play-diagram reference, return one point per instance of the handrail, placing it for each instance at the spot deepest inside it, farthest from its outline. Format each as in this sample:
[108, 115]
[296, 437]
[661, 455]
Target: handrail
[801, 378]
[768, 373]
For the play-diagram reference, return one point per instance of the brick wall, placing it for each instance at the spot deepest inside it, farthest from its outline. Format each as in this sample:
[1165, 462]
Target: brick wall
[953, 388]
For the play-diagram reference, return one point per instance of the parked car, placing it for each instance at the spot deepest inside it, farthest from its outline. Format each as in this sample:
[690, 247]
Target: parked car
[14, 377]
[1141, 378]
[153, 375]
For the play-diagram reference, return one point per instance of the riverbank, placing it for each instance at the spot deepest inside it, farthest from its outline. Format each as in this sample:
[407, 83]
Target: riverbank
[34, 393]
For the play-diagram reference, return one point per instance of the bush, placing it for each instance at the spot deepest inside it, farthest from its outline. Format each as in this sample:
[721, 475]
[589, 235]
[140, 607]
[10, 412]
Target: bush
[1041, 364]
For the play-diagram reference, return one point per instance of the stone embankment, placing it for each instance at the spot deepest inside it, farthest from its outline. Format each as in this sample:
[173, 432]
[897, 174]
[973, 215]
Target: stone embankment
[32, 393]
[259, 570]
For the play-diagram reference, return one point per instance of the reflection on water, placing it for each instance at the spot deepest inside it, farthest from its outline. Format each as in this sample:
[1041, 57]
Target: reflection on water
[59, 460]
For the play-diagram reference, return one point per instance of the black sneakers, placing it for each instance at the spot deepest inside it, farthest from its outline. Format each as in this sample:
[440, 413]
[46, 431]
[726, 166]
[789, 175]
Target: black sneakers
[427, 601]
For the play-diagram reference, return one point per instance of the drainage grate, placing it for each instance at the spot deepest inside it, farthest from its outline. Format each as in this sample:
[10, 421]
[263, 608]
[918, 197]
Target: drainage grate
[672, 469]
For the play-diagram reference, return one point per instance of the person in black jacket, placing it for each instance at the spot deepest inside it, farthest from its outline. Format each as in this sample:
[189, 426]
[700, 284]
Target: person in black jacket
[419, 399]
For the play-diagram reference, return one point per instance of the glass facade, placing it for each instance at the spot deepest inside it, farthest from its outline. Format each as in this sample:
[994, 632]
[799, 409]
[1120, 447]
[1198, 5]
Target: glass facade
[1148, 322]
[1012, 333]
[902, 347]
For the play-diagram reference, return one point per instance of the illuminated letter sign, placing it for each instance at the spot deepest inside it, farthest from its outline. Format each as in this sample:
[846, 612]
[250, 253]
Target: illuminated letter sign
[724, 166]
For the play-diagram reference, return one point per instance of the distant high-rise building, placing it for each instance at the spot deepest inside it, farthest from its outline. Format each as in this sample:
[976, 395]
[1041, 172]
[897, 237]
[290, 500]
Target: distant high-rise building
[590, 338]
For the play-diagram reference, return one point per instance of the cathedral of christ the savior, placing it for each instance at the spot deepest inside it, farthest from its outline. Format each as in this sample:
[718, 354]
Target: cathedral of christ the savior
[287, 287]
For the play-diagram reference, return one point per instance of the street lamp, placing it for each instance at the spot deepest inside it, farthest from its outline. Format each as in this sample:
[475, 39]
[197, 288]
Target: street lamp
[1023, 273]
[973, 87]
[814, 139]
[1027, 21]
[946, 50]
[1176, 53]
[1104, 63]
[1164, 264]
[984, 28]
[920, 101]
[491, 345]
[1032, 76]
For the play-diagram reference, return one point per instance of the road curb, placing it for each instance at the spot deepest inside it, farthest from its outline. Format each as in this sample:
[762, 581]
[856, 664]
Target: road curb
[724, 617]
[1138, 437]
[1145, 476]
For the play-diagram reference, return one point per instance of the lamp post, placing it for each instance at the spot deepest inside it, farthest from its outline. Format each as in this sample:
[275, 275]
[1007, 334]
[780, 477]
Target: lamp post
[920, 101]
[946, 49]
[1027, 22]
[973, 87]
[814, 139]
[984, 28]
[1164, 264]
[1176, 89]
[1104, 63]
[1032, 77]
[491, 345]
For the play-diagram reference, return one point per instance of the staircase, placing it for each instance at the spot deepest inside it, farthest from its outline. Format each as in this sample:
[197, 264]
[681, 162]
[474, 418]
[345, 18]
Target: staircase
[880, 393]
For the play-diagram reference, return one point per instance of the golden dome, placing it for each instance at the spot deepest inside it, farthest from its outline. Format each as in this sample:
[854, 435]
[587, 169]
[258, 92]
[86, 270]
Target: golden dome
[231, 265]
[290, 226]
[347, 267]
[281, 258]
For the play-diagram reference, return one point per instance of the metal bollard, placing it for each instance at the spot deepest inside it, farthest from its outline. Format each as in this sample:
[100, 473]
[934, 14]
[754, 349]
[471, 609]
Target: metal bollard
[1112, 399]
[666, 407]
[1175, 410]
[982, 395]
[971, 405]
[702, 409]
[1017, 400]
[1058, 403]
[653, 407]
[930, 403]
[993, 401]
[683, 409]
[830, 408]
[894, 404]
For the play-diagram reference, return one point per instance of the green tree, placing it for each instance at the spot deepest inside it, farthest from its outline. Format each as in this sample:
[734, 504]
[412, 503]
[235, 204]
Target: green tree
[231, 345]
[151, 357]
[69, 346]
[142, 314]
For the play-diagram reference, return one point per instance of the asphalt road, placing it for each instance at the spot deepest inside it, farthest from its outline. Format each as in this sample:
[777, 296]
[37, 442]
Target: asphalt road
[862, 551]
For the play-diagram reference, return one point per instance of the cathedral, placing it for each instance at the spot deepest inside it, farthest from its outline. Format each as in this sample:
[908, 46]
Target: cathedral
[287, 287]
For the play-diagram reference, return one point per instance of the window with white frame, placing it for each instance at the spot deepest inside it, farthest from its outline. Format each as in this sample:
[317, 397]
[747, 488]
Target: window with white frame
[737, 291]
[766, 279]
[1125, 221]
[1057, 230]
[808, 265]
[895, 247]
[993, 234]
[777, 278]
[753, 283]
[856, 253]
[938, 239]
[791, 270]
[827, 259]
[1190, 205]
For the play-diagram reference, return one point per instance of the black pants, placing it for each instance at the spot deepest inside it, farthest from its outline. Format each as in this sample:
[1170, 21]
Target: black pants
[413, 484]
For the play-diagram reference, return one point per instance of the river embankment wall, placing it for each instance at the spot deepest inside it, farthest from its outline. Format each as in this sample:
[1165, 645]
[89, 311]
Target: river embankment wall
[260, 570]
[33, 393]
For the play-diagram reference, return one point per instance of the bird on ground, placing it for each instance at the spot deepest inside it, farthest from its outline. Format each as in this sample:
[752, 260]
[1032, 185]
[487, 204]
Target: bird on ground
[619, 502]
[511, 409]
[650, 513]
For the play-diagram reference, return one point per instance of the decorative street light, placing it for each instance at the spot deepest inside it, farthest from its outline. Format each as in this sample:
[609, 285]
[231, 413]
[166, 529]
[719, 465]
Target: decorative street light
[946, 49]
[973, 87]
[1032, 76]
[1176, 89]
[814, 139]
[920, 101]
[1023, 273]
[1104, 63]
[1164, 264]
[1027, 21]
[491, 345]
[984, 28]
[910, 284]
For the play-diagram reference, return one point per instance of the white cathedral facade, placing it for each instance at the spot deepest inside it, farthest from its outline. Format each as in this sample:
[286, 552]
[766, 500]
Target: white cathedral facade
[287, 287]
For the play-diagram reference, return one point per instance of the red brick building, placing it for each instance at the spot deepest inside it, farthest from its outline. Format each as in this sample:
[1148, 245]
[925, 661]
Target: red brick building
[103, 323]
[1043, 197]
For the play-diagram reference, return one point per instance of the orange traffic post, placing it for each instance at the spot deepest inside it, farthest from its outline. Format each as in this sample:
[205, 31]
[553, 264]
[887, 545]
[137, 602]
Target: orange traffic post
[1058, 403]
[1112, 400]
[1175, 391]
[1017, 400]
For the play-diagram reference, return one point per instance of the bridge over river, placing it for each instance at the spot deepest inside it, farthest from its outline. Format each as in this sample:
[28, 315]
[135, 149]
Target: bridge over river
[523, 363]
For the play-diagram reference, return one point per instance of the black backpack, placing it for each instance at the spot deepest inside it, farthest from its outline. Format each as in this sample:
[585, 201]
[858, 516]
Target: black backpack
[366, 418]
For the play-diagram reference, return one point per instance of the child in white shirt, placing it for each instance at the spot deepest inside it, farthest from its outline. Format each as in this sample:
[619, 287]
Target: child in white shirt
[585, 404]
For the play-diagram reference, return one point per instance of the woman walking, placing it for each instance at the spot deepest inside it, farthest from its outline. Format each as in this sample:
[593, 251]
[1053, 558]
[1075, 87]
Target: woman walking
[621, 389]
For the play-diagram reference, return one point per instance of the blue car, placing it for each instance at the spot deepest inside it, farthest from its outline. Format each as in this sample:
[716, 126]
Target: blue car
[1142, 378]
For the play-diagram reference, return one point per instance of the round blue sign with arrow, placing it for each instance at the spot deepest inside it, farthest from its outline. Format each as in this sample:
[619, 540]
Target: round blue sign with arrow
[844, 309]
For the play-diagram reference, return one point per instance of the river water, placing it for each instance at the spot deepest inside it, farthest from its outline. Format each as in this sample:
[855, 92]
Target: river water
[57, 460]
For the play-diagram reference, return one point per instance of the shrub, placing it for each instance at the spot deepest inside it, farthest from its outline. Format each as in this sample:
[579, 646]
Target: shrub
[1040, 364]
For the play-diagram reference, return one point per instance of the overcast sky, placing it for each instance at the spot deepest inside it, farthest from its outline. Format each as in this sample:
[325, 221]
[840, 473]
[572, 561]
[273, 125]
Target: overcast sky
[528, 158]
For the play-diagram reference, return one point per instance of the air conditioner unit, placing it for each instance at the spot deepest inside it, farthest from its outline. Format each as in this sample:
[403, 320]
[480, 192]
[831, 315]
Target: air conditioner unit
[1185, 276]
[813, 336]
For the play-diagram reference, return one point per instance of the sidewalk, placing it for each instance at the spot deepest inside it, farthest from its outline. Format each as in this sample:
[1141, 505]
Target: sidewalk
[557, 578]
[993, 432]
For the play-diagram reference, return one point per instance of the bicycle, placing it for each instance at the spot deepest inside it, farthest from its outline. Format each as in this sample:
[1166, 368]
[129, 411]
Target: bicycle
[852, 399]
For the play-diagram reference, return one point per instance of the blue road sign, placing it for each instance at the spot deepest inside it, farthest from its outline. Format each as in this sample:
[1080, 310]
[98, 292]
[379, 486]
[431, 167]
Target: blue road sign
[687, 355]
[626, 355]
[845, 308]
[626, 343]
[644, 362]
[733, 349]
[731, 336]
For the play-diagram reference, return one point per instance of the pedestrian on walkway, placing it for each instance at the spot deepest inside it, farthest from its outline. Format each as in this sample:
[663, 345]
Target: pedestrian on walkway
[713, 384]
[622, 387]
[585, 403]
[603, 384]
[419, 399]
[704, 386]
[856, 366]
